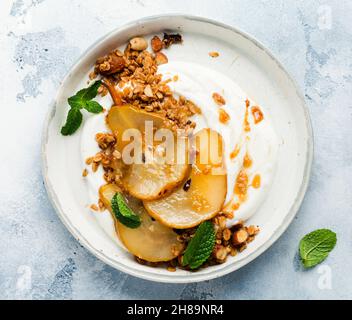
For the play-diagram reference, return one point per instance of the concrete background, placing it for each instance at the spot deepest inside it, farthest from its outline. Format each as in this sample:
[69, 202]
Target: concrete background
[40, 39]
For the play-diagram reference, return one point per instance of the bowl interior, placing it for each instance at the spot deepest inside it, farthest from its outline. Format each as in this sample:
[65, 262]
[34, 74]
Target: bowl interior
[243, 60]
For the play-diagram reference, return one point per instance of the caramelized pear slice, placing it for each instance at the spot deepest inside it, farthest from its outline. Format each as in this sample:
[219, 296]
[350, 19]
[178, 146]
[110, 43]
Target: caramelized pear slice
[153, 174]
[125, 117]
[203, 195]
[151, 241]
[158, 176]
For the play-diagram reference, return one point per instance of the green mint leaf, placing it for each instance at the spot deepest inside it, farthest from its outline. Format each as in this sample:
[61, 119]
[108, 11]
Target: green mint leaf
[123, 213]
[90, 92]
[75, 102]
[80, 99]
[201, 246]
[316, 246]
[73, 121]
[93, 107]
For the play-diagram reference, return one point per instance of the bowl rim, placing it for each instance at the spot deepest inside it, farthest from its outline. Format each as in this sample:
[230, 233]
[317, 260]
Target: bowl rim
[193, 277]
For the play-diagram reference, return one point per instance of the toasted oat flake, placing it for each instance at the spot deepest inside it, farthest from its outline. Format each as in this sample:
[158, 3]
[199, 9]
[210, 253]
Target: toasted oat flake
[94, 207]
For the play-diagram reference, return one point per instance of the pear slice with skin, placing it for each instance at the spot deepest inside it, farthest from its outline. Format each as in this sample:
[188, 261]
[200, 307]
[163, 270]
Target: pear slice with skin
[151, 241]
[203, 195]
[158, 176]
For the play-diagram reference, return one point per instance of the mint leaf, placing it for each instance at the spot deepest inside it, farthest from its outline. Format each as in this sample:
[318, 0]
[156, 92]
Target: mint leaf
[200, 247]
[316, 246]
[93, 107]
[73, 121]
[82, 99]
[90, 92]
[83, 96]
[75, 102]
[123, 213]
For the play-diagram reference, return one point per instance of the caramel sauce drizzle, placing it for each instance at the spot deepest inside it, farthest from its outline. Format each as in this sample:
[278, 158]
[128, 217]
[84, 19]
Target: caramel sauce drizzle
[257, 114]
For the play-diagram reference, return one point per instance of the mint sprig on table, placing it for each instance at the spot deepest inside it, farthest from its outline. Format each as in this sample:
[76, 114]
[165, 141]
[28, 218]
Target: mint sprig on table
[81, 100]
[200, 247]
[123, 213]
[316, 246]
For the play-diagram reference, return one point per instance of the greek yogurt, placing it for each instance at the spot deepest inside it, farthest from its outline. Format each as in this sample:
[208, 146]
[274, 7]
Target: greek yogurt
[260, 143]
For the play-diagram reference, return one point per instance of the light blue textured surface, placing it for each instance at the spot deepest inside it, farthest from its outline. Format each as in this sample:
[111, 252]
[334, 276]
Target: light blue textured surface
[40, 39]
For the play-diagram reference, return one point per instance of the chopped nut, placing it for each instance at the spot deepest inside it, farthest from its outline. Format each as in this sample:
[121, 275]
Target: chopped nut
[226, 234]
[223, 116]
[220, 253]
[220, 221]
[84, 173]
[148, 91]
[138, 44]
[156, 43]
[171, 269]
[219, 100]
[214, 54]
[239, 237]
[160, 58]
[252, 230]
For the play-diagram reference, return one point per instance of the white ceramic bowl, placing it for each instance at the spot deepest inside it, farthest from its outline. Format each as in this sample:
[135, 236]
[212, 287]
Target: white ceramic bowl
[260, 75]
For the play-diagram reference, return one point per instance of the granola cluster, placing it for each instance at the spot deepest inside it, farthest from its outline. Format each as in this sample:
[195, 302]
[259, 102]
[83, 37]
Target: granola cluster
[135, 73]
[109, 158]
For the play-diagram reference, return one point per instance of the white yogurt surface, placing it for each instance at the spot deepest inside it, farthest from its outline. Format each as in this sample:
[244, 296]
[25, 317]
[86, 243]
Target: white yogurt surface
[198, 83]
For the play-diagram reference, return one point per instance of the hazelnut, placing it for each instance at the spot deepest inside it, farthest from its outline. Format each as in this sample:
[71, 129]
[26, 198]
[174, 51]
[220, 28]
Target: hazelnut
[138, 44]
